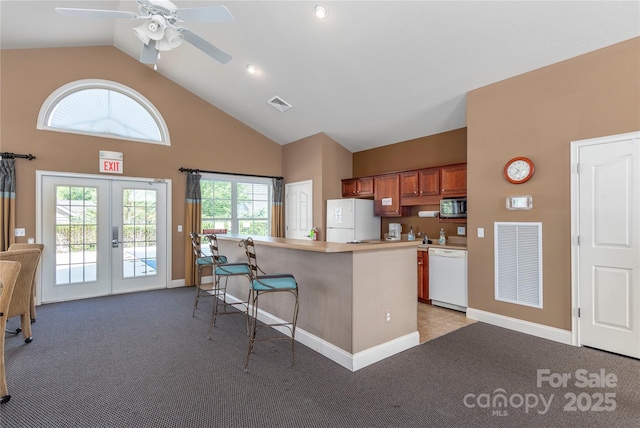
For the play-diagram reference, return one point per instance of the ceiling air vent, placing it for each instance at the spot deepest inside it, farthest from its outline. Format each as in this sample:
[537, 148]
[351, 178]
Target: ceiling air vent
[279, 103]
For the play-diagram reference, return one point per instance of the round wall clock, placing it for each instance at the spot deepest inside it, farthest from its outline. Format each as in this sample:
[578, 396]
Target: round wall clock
[518, 170]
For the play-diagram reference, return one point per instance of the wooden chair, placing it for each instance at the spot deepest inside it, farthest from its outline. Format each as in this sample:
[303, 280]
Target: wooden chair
[23, 291]
[8, 275]
[40, 247]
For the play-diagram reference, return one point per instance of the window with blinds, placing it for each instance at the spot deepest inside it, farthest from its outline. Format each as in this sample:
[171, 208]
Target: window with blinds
[236, 203]
[105, 109]
[518, 263]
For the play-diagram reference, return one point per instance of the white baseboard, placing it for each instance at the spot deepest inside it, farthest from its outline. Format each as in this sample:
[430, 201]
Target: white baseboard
[347, 360]
[176, 283]
[522, 326]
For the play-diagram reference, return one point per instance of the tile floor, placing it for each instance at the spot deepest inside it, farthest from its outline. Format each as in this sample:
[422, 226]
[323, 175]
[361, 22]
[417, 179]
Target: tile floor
[434, 321]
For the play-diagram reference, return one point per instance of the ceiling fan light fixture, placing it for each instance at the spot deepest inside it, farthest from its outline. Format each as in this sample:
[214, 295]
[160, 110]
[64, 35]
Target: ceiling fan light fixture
[321, 11]
[172, 39]
[141, 32]
[155, 27]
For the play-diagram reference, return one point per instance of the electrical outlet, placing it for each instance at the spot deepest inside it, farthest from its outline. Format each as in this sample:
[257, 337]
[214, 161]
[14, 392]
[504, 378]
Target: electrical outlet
[179, 228]
[19, 231]
[387, 317]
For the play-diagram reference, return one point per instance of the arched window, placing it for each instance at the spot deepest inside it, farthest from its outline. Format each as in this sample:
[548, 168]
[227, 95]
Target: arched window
[105, 109]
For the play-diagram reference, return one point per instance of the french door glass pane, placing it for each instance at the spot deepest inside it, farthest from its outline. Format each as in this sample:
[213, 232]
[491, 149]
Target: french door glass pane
[76, 239]
[138, 232]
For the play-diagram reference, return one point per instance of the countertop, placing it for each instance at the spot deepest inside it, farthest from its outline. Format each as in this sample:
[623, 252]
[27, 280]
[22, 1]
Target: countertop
[323, 246]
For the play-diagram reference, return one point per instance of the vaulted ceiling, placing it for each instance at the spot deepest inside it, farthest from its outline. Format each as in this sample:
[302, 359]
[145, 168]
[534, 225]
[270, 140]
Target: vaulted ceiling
[371, 73]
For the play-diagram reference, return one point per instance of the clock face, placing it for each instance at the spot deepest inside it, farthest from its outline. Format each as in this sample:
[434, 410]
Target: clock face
[518, 170]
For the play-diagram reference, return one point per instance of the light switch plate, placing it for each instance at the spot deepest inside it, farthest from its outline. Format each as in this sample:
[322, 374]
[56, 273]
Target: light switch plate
[462, 230]
[481, 232]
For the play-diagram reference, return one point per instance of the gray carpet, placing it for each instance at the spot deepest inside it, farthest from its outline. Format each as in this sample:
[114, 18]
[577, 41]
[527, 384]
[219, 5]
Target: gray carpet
[141, 360]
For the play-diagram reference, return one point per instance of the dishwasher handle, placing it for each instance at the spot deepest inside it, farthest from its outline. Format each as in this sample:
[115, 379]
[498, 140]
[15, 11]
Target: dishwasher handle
[443, 252]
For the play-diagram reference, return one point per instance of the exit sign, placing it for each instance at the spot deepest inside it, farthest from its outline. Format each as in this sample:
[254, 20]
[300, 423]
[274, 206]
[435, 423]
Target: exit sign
[111, 162]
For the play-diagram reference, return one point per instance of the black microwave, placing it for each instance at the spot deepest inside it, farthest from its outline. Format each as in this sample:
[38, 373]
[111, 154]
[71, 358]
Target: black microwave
[453, 208]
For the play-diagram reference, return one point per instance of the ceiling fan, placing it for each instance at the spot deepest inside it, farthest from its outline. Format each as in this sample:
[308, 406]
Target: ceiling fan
[162, 29]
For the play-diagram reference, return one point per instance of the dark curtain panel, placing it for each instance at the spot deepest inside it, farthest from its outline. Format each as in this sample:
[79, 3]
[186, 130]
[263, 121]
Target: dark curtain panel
[193, 223]
[277, 206]
[7, 202]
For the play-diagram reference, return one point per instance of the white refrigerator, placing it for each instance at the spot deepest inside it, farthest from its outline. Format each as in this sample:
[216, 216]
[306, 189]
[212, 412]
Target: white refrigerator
[351, 220]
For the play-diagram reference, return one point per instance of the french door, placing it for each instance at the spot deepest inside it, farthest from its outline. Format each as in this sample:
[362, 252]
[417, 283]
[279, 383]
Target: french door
[102, 236]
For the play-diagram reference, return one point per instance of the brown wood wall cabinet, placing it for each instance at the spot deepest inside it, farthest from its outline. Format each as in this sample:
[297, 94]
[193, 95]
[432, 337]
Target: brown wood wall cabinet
[357, 187]
[453, 180]
[420, 187]
[423, 277]
[402, 190]
[386, 200]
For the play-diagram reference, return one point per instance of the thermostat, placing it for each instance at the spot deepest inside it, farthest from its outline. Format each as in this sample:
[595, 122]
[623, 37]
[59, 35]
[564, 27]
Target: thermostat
[519, 202]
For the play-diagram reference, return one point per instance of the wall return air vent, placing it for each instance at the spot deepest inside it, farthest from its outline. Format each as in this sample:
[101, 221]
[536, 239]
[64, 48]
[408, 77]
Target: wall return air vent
[279, 103]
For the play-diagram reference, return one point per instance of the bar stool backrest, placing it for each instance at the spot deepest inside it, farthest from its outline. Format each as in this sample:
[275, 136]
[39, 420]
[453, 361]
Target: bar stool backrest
[215, 252]
[250, 250]
[196, 245]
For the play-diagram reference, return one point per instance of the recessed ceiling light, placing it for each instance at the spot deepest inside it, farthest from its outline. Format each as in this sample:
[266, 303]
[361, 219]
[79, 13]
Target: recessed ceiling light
[252, 69]
[321, 11]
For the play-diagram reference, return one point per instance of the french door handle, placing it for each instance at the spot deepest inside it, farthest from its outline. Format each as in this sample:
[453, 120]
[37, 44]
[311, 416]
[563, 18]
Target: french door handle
[114, 235]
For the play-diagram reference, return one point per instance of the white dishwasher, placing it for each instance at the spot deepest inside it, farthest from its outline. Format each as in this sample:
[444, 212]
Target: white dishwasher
[448, 278]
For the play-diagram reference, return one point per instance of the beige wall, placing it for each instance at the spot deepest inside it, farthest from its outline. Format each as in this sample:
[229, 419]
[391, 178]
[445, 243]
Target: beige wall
[323, 160]
[537, 115]
[202, 136]
[435, 150]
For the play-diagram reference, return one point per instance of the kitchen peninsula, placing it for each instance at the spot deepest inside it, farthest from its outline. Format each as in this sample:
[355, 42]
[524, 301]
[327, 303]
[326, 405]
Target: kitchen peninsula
[357, 301]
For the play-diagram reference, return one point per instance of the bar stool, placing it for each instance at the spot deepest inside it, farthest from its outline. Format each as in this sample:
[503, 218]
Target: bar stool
[261, 284]
[201, 260]
[222, 269]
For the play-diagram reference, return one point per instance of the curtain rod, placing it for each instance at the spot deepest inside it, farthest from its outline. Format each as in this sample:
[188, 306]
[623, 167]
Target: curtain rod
[189, 170]
[7, 155]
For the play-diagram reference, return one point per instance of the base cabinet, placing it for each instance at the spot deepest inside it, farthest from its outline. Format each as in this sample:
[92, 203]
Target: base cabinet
[423, 277]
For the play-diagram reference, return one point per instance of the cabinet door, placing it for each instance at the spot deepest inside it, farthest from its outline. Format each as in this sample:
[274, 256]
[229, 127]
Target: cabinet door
[453, 180]
[387, 195]
[409, 184]
[430, 182]
[423, 277]
[365, 186]
[349, 187]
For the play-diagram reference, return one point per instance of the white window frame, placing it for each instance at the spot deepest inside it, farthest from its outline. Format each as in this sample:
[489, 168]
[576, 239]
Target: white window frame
[235, 180]
[62, 92]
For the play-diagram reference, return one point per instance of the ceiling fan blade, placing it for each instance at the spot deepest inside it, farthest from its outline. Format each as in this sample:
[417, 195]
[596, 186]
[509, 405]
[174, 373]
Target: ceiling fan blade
[205, 14]
[206, 47]
[149, 54]
[95, 13]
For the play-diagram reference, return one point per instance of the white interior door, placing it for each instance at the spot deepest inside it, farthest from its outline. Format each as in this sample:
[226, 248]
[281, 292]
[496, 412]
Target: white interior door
[609, 247]
[81, 217]
[299, 209]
